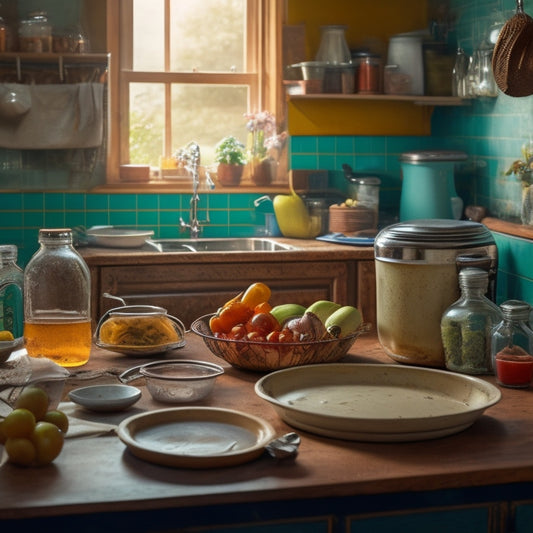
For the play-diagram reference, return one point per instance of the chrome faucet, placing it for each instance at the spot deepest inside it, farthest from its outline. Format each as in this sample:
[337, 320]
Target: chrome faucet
[190, 157]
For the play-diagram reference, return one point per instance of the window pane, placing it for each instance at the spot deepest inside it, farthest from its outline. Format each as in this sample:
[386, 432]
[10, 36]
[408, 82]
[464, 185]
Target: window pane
[206, 114]
[148, 35]
[147, 123]
[208, 35]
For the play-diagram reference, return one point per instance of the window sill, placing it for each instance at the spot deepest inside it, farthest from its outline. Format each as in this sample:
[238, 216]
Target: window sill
[186, 188]
[509, 228]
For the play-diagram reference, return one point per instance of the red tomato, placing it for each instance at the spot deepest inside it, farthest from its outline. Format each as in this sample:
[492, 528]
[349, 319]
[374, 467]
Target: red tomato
[255, 337]
[263, 323]
[273, 336]
[237, 332]
[286, 335]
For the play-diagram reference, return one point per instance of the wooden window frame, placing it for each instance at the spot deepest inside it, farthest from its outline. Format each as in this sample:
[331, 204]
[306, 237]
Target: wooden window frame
[263, 76]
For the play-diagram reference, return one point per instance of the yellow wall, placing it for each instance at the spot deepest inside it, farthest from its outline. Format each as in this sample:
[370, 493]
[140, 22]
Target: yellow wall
[369, 23]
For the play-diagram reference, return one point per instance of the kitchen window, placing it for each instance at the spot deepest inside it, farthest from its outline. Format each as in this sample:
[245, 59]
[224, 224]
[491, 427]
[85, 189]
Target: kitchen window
[184, 70]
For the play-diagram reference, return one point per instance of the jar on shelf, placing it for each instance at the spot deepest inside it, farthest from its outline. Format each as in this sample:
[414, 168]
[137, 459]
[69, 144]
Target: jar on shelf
[369, 74]
[3, 36]
[512, 346]
[57, 296]
[333, 47]
[11, 291]
[466, 326]
[35, 33]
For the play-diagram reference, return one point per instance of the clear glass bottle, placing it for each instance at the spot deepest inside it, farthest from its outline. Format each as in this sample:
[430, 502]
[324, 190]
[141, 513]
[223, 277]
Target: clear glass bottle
[11, 291]
[466, 326]
[459, 74]
[57, 307]
[333, 47]
[512, 345]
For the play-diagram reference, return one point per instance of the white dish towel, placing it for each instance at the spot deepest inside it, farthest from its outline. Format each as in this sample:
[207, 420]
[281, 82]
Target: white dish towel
[60, 116]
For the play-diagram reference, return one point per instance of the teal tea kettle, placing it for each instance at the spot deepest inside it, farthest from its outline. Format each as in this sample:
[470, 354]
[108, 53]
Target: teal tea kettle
[428, 188]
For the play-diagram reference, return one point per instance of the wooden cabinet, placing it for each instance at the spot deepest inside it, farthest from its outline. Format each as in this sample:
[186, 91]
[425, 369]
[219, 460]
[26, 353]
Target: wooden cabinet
[189, 290]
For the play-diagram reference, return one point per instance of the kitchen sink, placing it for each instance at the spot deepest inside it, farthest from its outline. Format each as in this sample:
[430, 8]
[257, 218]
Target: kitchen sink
[218, 245]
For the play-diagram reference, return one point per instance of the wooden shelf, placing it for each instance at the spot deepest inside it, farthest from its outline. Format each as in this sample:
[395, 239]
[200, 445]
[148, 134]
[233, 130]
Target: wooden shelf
[509, 228]
[414, 99]
[53, 57]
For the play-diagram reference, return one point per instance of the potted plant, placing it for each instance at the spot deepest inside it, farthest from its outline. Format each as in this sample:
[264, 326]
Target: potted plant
[231, 157]
[522, 169]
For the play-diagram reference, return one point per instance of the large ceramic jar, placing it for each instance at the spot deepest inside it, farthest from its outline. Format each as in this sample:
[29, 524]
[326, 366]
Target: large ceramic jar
[417, 280]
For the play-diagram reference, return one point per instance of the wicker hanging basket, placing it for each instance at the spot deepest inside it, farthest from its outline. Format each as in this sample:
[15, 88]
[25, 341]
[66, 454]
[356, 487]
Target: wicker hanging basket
[512, 60]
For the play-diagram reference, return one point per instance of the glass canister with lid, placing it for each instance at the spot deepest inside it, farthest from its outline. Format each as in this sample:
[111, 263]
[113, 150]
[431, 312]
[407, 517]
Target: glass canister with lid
[35, 33]
[417, 280]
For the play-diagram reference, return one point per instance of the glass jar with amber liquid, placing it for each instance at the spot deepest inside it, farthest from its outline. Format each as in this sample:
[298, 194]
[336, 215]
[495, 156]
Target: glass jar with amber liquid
[57, 309]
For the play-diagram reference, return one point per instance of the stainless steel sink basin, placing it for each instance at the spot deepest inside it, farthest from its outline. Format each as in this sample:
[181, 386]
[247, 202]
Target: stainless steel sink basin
[218, 245]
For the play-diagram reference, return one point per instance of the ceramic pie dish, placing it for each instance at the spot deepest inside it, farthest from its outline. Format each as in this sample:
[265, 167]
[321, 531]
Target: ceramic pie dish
[376, 402]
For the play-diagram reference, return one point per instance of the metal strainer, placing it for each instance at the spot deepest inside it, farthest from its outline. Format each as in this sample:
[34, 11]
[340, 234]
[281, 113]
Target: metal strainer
[512, 60]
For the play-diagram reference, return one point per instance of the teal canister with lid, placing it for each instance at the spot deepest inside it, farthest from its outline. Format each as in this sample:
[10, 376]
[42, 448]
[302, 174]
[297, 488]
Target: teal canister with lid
[428, 185]
[417, 280]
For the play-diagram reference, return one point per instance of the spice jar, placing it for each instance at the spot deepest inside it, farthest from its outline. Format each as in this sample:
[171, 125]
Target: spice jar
[369, 74]
[466, 325]
[57, 300]
[417, 280]
[512, 346]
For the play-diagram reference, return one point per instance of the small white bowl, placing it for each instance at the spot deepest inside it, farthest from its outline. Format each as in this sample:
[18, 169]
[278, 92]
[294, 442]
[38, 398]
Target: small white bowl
[105, 397]
[8, 347]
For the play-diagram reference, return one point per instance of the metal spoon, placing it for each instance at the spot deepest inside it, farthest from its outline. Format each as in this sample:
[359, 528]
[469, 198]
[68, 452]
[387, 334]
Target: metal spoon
[284, 447]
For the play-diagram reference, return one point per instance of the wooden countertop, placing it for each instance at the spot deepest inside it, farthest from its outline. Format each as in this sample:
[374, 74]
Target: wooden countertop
[305, 250]
[100, 475]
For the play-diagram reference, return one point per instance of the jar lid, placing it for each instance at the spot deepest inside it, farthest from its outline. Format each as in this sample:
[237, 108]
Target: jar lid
[474, 277]
[516, 309]
[408, 240]
[424, 156]
[8, 252]
[63, 235]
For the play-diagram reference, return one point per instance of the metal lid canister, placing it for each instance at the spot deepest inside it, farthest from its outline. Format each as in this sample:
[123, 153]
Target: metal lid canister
[417, 280]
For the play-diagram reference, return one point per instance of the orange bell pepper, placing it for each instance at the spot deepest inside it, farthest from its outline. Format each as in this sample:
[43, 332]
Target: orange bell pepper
[229, 316]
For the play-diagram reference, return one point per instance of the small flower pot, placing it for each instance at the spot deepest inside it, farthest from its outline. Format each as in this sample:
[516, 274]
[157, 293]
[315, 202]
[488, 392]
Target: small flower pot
[229, 175]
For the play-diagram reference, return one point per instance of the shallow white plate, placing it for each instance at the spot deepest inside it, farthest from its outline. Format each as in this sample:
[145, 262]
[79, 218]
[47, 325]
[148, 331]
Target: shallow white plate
[109, 236]
[105, 397]
[195, 437]
[376, 402]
